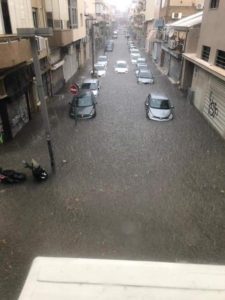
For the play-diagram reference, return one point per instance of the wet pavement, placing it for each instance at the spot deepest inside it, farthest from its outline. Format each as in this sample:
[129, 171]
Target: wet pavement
[130, 188]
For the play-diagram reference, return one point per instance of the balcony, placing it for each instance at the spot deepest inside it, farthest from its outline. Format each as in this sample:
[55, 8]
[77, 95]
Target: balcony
[61, 38]
[14, 51]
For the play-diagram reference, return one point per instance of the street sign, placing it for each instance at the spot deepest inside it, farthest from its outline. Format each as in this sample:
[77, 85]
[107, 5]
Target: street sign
[74, 89]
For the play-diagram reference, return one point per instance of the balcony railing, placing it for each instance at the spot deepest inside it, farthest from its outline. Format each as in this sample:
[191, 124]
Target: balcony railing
[14, 51]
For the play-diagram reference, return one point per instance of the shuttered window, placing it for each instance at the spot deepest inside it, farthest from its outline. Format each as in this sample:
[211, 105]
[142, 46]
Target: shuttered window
[220, 59]
[205, 53]
[214, 3]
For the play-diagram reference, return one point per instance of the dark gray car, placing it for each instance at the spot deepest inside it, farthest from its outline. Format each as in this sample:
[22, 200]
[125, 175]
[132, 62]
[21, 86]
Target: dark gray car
[83, 106]
[158, 107]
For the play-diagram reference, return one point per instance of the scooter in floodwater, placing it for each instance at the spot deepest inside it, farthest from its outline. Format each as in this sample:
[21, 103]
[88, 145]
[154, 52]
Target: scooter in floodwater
[11, 176]
[38, 172]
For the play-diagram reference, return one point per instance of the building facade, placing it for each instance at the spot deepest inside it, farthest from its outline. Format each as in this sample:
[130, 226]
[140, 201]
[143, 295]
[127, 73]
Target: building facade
[204, 72]
[60, 56]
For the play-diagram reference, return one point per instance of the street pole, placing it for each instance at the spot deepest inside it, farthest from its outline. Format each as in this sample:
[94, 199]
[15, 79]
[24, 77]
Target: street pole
[41, 95]
[93, 48]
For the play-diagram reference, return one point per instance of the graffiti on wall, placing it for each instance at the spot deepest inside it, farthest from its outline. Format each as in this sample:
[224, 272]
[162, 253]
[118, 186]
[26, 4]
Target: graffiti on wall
[212, 109]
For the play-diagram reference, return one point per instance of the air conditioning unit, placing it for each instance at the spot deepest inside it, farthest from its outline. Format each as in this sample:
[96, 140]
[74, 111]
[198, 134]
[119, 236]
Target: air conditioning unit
[176, 15]
[172, 44]
[41, 43]
[199, 6]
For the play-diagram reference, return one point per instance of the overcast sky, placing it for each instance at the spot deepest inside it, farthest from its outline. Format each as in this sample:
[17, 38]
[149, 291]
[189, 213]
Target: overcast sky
[121, 4]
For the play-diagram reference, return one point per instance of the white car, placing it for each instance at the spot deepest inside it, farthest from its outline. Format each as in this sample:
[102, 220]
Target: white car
[102, 60]
[144, 76]
[134, 50]
[134, 57]
[91, 85]
[121, 66]
[100, 70]
[141, 60]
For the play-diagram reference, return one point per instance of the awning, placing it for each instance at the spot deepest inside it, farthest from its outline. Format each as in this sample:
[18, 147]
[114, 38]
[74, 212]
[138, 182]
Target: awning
[57, 65]
[187, 22]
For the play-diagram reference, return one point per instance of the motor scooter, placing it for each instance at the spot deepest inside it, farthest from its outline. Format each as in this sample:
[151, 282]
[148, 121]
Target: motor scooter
[11, 176]
[38, 172]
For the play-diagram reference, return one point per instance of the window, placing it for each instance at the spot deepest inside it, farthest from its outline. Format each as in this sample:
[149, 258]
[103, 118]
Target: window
[81, 20]
[35, 16]
[73, 13]
[49, 19]
[6, 16]
[205, 52]
[214, 3]
[220, 59]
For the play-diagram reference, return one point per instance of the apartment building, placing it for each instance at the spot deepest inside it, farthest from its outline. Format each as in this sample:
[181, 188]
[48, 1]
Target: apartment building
[60, 56]
[204, 70]
[99, 14]
[168, 11]
[68, 50]
[16, 75]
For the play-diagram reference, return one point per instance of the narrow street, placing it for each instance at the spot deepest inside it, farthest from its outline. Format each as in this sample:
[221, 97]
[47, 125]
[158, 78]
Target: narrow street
[131, 188]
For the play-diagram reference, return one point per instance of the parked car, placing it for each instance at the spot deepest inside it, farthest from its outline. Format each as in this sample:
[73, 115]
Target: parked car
[121, 66]
[100, 70]
[91, 85]
[115, 34]
[141, 66]
[141, 60]
[145, 76]
[134, 50]
[83, 106]
[109, 46]
[134, 57]
[103, 60]
[158, 107]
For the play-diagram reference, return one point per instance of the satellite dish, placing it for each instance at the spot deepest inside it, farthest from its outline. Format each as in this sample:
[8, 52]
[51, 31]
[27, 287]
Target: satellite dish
[171, 33]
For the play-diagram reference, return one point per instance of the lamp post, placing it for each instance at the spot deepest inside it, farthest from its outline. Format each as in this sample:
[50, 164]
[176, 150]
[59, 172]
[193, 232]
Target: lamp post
[31, 33]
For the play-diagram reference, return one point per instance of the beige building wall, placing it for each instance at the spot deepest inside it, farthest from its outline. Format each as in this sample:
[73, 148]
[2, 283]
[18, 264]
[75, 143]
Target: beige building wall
[89, 7]
[59, 8]
[80, 32]
[20, 15]
[40, 6]
[212, 30]
[186, 2]
[150, 10]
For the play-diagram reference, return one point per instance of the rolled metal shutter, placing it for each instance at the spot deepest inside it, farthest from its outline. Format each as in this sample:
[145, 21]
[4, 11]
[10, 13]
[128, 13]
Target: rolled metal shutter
[214, 104]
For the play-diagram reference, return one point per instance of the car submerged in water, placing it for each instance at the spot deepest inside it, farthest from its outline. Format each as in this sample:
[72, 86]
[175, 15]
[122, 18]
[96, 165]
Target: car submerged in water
[83, 106]
[158, 108]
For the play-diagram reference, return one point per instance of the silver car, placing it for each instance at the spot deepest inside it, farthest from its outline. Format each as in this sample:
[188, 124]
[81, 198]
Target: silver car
[92, 85]
[100, 70]
[134, 57]
[102, 60]
[140, 66]
[144, 76]
[158, 107]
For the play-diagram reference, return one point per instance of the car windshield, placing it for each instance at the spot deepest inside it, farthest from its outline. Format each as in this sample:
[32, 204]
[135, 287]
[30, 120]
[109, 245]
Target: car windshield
[101, 58]
[84, 101]
[121, 65]
[89, 86]
[145, 75]
[99, 68]
[160, 103]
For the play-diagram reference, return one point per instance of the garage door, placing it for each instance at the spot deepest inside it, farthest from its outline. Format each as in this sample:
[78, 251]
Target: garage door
[214, 104]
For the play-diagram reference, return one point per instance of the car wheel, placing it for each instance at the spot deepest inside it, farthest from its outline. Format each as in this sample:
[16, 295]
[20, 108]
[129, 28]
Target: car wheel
[94, 115]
